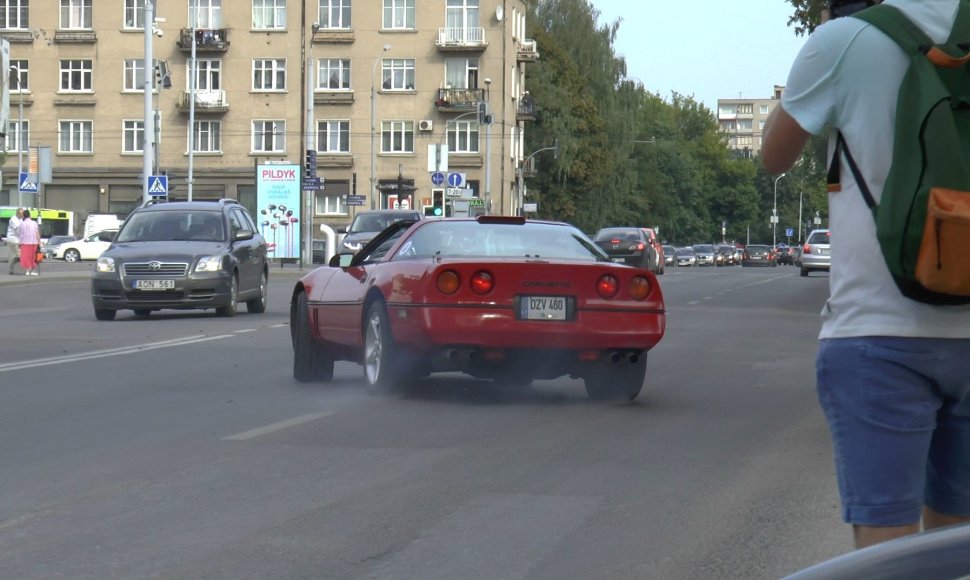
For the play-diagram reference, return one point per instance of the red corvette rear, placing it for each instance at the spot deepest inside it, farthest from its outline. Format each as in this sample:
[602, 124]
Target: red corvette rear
[498, 298]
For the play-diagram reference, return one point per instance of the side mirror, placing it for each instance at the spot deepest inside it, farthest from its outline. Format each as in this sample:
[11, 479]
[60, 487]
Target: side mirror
[342, 230]
[242, 235]
[341, 261]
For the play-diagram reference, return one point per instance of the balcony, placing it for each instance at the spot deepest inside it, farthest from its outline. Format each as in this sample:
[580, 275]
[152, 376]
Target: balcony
[459, 39]
[206, 39]
[458, 100]
[527, 51]
[528, 168]
[205, 102]
[526, 110]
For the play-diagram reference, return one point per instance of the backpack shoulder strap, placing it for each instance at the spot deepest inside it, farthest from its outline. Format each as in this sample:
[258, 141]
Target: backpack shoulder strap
[894, 24]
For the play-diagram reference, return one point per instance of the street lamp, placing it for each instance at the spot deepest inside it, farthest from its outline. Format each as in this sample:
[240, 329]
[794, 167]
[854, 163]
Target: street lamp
[373, 128]
[774, 215]
[20, 135]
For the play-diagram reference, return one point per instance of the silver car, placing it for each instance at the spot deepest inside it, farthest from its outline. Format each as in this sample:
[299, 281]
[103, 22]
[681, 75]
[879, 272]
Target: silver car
[816, 253]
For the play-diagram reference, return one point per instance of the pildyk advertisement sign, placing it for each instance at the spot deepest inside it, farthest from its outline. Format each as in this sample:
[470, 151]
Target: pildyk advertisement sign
[278, 208]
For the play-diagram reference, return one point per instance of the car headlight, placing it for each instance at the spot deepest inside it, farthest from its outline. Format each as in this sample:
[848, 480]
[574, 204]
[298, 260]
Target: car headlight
[355, 246]
[209, 264]
[106, 265]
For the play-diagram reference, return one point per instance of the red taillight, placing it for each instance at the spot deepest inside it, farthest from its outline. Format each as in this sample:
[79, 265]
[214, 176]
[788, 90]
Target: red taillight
[615, 241]
[448, 282]
[806, 249]
[640, 246]
[639, 287]
[482, 282]
[607, 286]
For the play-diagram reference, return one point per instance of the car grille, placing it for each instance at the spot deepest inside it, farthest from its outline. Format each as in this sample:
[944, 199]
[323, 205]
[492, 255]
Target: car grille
[165, 269]
[154, 296]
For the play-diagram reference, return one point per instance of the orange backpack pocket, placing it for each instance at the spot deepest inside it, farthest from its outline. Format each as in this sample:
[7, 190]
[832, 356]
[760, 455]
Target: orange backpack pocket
[944, 256]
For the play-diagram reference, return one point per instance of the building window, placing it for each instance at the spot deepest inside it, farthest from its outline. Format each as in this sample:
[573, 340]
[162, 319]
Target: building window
[728, 110]
[18, 136]
[208, 75]
[764, 109]
[334, 14]
[333, 136]
[398, 74]
[463, 136]
[14, 14]
[744, 124]
[397, 137]
[461, 73]
[135, 14]
[399, 14]
[208, 137]
[333, 74]
[75, 14]
[743, 142]
[747, 109]
[269, 136]
[75, 137]
[207, 13]
[269, 74]
[331, 204]
[761, 124]
[269, 14]
[133, 136]
[76, 76]
[134, 74]
[19, 76]
[729, 126]
[462, 14]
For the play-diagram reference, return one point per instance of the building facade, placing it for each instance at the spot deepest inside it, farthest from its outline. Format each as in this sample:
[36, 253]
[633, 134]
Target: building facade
[372, 86]
[743, 120]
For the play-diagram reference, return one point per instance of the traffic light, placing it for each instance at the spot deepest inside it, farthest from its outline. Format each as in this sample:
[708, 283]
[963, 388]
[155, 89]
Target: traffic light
[310, 163]
[162, 77]
[438, 202]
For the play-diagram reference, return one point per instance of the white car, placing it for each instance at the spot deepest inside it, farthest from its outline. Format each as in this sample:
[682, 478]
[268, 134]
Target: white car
[89, 248]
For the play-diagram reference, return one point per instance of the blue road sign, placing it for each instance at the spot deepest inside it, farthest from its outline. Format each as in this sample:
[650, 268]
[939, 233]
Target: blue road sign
[158, 185]
[356, 199]
[455, 180]
[311, 183]
[26, 185]
[789, 232]
[437, 178]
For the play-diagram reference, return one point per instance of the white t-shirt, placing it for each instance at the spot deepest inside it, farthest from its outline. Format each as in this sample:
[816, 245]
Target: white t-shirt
[847, 77]
[13, 230]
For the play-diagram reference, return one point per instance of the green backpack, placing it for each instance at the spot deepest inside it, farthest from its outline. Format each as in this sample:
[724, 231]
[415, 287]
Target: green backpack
[923, 217]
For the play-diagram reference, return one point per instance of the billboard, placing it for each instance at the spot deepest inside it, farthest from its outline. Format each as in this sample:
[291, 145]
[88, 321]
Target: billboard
[278, 208]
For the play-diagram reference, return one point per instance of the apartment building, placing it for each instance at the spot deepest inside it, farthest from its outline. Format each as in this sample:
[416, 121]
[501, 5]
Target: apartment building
[367, 84]
[743, 120]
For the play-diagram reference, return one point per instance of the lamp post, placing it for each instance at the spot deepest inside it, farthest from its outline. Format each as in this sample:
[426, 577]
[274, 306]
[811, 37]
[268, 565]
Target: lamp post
[774, 215]
[518, 176]
[373, 128]
[488, 149]
[20, 135]
[148, 147]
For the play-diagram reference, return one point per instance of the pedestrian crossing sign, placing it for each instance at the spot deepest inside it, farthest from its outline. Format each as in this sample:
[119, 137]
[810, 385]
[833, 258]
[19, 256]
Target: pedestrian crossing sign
[26, 185]
[158, 185]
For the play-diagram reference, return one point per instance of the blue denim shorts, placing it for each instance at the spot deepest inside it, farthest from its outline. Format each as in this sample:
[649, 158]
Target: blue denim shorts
[899, 413]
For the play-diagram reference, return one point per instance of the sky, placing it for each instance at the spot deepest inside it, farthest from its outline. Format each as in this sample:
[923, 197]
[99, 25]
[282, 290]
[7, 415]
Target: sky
[710, 49]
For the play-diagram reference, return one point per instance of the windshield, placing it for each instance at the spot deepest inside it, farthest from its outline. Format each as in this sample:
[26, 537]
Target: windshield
[704, 249]
[153, 226]
[684, 252]
[473, 239]
[378, 222]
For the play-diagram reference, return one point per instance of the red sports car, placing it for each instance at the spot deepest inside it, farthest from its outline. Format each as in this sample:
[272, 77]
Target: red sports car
[495, 297]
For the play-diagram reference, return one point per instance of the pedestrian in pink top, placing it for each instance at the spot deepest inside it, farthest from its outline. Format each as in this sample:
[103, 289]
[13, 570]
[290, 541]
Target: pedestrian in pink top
[29, 243]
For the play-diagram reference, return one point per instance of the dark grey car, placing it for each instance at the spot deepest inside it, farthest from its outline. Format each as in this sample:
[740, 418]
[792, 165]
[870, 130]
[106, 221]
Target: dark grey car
[183, 255]
[367, 224]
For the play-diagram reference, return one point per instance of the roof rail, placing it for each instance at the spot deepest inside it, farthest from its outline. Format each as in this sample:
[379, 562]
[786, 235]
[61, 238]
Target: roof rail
[228, 200]
[153, 201]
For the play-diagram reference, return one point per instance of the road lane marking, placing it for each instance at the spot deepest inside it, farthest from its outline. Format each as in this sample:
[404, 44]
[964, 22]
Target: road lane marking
[245, 330]
[278, 325]
[692, 302]
[16, 366]
[252, 433]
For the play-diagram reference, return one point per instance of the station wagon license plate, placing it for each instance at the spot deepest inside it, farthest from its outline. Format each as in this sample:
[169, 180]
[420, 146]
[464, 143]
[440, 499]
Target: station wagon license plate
[543, 308]
[153, 284]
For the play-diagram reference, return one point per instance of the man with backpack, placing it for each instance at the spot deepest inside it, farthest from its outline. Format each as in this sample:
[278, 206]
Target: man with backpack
[895, 340]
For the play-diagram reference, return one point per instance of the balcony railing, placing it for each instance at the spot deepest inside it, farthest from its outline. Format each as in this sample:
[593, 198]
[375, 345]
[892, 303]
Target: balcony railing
[527, 51]
[465, 38]
[206, 39]
[205, 102]
[458, 100]
[526, 110]
[528, 167]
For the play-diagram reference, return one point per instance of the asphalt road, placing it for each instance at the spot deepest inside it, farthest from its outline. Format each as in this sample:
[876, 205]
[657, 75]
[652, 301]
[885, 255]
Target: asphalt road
[180, 447]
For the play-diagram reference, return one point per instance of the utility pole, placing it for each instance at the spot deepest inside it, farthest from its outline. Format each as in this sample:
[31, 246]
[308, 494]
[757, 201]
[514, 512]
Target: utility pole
[148, 148]
[193, 73]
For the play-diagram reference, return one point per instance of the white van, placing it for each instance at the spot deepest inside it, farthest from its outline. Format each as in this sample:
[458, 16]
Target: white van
[98, 222]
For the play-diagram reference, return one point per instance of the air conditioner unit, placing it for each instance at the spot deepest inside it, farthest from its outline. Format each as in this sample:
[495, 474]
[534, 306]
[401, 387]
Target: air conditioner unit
[425, 125]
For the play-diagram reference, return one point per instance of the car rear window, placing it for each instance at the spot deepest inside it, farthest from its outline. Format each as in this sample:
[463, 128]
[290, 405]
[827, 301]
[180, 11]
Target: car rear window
[625, 234]
[820, 238]
[473, 239]
[757, 249]
[378, 222]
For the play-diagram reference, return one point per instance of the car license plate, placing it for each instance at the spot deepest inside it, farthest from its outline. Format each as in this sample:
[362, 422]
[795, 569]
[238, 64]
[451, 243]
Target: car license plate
[620, 260]
[153, 284]
[543, 308]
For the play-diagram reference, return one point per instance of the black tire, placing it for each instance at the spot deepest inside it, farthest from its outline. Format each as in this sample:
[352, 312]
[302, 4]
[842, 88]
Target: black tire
[72, 255]
[143, 312]
[384, 367]
[311, 362]
[258, 305]
[230, 309]
[804, 272]
[105, 313]
[620, 382]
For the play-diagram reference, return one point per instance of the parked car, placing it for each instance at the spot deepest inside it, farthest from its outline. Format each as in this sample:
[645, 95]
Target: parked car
[54, 242]
[685, 257]
[574, 312]
[89, 248]
[758, 255]
[706, 254]
[183, 255]
[669, 259]
[627, 246]
[816, 252]
[368, 224]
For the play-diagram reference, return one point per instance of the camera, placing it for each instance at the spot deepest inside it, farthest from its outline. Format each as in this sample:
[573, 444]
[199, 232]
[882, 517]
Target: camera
[840, 8]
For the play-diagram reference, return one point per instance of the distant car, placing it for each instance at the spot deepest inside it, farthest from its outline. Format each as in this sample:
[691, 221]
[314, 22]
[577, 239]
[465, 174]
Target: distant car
[495, 297]
[783, 254]
[368, 224]
[816, 252]
[758, 255]
[183, 255]
[627, 245]
[669, 259]
[89, 248]
[725, 255]
[659, 259]
[50, 248]
[685, 257]
[706, 254]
